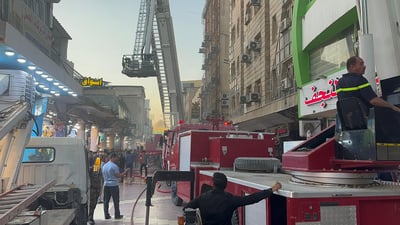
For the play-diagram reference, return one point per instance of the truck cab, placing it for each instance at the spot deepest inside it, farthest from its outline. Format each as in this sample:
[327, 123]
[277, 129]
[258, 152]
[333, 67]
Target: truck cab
[61, 159]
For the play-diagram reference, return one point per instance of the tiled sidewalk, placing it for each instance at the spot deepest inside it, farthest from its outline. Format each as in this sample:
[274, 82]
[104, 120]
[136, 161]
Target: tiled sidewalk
[163, 212]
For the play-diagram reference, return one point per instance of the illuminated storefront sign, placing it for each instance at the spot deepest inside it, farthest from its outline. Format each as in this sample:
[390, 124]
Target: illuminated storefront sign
[91, 82]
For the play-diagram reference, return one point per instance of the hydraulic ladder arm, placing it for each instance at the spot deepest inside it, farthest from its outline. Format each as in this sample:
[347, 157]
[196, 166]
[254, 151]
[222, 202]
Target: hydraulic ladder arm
[155, 55]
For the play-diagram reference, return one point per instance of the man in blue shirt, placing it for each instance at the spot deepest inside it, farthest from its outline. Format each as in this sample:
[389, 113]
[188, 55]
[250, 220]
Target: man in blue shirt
[111, 189]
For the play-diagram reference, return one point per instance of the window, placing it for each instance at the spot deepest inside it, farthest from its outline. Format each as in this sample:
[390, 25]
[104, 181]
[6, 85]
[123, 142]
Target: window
[247, 16]
[257, 86]
[36, 155]
[285, 50]
[233, 34]
[274, 28]
[29, 3]
[41, 10]
[233, 71]
[237, 30]
[248, 90]
[332, 55]
[48, 15]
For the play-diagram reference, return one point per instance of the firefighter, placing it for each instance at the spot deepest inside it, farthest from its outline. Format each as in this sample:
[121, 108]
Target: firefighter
[217, 206]
[353, 84]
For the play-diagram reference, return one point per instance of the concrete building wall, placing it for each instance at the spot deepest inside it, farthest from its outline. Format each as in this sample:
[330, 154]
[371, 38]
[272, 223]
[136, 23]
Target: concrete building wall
[190, 88]
[216, 16]
[260, 61]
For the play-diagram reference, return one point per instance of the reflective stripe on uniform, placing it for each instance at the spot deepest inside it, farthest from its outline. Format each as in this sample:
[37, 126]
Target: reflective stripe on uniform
[352, 88]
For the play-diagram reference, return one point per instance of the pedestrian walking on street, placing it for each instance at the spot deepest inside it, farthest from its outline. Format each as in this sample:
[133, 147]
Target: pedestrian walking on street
[129, 162]
[143, 164]
[111, 175]
[95, 184]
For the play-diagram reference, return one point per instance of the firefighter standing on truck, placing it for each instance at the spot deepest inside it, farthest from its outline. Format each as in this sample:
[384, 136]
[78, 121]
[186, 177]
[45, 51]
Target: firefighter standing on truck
[95, 184]
[353, 84]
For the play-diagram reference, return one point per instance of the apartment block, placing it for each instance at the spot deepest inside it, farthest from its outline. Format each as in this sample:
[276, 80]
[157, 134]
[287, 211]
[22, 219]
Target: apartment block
[260, 91]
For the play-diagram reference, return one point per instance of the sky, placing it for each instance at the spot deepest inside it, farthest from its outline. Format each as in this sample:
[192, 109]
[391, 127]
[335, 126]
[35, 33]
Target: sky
[103, 31]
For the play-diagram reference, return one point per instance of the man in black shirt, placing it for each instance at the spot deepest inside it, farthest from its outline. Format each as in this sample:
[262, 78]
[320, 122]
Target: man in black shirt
[353, 84]
[217, 206]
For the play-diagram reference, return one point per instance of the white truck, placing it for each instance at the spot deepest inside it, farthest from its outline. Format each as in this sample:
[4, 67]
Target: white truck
[43, 180]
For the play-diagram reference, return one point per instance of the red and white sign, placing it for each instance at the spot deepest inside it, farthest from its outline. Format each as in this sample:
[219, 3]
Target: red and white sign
[319, 95]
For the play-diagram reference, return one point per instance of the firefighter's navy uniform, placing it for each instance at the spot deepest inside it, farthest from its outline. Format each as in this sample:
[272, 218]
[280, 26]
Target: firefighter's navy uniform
[354, 85]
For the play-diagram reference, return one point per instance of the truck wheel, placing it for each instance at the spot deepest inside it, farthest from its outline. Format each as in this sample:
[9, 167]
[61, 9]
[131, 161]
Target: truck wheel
[174, 196]
[235, 218]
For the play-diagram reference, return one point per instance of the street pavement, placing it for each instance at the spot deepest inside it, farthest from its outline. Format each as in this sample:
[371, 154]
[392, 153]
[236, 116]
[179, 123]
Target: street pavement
[162, 211]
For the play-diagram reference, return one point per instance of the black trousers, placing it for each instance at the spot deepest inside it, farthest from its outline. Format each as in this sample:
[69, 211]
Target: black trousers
[94, 195]
[111, 191]
[145, 169]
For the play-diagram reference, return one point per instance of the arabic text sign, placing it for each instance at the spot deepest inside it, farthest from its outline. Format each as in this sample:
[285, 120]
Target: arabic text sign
[319, 95]
[91, 82]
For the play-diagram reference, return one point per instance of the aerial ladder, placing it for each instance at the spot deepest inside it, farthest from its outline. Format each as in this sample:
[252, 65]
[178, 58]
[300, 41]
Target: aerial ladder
[155, 55]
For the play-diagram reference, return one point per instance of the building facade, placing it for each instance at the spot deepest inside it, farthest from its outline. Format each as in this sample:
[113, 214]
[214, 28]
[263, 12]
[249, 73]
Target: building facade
[129, 122]
[215, 48]
[191, 100]
[34, 46]
[261, 91]
[323, 43]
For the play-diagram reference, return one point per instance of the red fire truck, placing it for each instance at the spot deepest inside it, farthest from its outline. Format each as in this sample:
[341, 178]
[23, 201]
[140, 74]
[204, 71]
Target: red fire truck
[192, 147]
[319, 186]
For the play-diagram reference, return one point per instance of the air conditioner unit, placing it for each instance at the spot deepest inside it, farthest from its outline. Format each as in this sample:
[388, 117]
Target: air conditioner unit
[202, 50]
[224, 97]
[224, 102]
[285, 83]
[243, 99]
[255, 2]
[254, 97]
[309, 128]
[246, 58]
[255, 45]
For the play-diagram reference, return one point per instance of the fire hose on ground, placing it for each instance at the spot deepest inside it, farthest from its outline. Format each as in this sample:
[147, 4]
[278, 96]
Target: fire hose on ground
[151, 183]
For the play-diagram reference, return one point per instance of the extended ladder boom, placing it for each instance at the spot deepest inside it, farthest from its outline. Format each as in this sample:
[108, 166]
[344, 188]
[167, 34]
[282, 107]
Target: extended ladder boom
[155, 55]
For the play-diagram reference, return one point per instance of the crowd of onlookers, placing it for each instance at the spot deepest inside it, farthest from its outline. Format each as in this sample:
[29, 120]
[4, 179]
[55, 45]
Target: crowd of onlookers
[136, 160]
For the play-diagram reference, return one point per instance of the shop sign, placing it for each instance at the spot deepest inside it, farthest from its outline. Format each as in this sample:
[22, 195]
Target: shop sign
[91, 82]
[319, 95]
